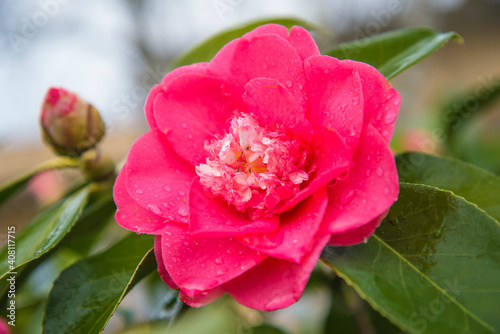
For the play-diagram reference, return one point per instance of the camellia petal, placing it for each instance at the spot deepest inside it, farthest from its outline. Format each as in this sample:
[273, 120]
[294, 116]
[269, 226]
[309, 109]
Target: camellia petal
[130, 214]
[333, 159]
[381, 101]
[275, 283]
[193, 109]
[211, 217]
[269, 28]
[358, 235]
[199, 68]
[198, 264]
[298, 37]
[297, 232]
[336, 98]
[245, 60]
[371, 188]
[302, 41]
[164, 188]
[162, 271]
[264, 94]
[202, 298]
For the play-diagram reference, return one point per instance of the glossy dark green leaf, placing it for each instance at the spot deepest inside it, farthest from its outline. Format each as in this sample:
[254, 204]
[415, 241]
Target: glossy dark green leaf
[11, 187]
[205, 51]
[394, 51]
[349, 314]
[431, 267]
[474, 184]
[218, 317]
[86, 294]
[94, 219]
[45, 231]
[460, 110]
[266, 329]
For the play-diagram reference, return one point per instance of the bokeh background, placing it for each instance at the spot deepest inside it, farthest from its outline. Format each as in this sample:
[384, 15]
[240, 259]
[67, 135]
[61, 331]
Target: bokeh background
[112, 52]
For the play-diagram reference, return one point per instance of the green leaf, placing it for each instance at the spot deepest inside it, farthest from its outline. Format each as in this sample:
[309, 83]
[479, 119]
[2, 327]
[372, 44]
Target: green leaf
[11, 187]
[266, 329]
[86, 294]
[394, 51]
[93, 220]
[205, 51]
[349, 314]
[44, 232]
[474, 184]
[431, 267]
[460, 110]
[215, 318]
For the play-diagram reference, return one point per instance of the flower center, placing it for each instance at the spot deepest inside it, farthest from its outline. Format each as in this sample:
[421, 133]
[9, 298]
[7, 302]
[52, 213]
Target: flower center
[253, 168]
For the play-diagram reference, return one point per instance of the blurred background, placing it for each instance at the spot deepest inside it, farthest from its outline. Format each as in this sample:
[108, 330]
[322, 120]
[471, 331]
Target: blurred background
[112, 52]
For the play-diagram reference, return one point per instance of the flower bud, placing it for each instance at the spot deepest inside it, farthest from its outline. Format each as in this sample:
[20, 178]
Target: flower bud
[97, 165]
[69, 124]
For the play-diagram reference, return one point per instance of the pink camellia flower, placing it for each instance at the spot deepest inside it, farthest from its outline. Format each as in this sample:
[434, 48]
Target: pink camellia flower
[255, 162]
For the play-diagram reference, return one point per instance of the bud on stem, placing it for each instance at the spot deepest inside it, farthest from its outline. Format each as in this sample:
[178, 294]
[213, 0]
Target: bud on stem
[97, 165]
[69, 124]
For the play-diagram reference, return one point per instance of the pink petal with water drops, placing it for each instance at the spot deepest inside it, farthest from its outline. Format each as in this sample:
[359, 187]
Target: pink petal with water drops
[358, 235]
[370, 189]
[130, 214]
[261, 57]
[162, 271]
[214, 218]
[333, 159]
[336, 98]
[194, 109]
[270, 28]
[275, 283]
[200, 264]
[381, 101]
[157, 178]
[303, 42]
[298, 37]
[202, 298]
[199, 68]
[273, 105]
[297, 231]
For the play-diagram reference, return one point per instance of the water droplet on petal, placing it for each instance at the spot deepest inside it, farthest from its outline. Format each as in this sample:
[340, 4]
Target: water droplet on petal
[347, 196]
[390, 116]
[332, 183]
[355, 100]
[380, 171]
[183, 211]
[181, 193]
[203, 265]
[167, 188]
[139, 192]
[184, 125]
[225, 90]
[289, 84]
[155, 209]
[218, 261]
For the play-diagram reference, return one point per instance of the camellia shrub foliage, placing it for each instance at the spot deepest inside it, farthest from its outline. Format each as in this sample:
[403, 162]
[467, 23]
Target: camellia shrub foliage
[263, 156]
